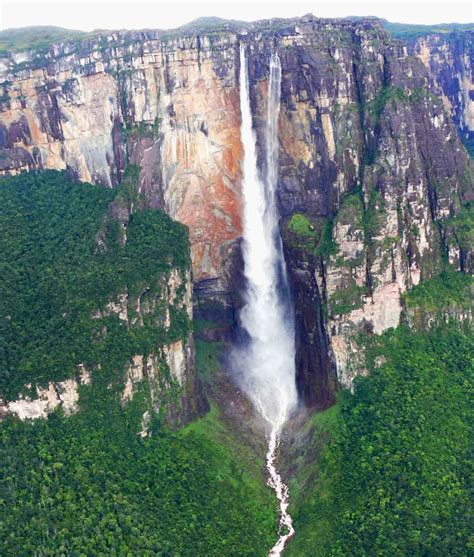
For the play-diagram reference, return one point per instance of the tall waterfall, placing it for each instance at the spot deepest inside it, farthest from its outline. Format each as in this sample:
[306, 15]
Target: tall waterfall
[267, 364]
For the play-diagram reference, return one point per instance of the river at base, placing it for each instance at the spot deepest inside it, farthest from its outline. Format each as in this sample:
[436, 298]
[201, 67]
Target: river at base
[285, 530]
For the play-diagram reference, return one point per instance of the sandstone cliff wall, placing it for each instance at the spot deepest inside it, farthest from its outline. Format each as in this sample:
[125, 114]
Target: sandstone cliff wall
[449, 59]
[370, 157]
[368, 154]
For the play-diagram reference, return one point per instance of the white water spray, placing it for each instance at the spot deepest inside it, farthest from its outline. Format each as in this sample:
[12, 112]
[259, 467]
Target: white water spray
[267, 364]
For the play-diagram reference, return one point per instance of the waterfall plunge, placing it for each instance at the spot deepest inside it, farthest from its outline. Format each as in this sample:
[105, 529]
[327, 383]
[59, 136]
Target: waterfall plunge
[267, 363]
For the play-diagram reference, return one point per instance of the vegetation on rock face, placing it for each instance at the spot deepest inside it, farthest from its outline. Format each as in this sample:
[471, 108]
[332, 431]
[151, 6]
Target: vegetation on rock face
[62, 262]
[394, 478]
[315, 238]
[449, 290]
[142, 129]
[40, 37]
[301, 225]
[386, 95]
[347, 299]
[461, 229]
[407, 31]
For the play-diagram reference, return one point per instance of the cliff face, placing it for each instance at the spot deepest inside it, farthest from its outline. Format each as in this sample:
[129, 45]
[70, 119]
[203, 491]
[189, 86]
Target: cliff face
[168, 372]
[449, 60]
[368, 157]
[372, 175]
[171, 107]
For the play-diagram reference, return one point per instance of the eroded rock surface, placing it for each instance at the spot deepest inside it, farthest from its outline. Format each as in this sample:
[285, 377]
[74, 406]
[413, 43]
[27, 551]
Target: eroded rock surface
[450, 62]
[368, 154]
[64, 395]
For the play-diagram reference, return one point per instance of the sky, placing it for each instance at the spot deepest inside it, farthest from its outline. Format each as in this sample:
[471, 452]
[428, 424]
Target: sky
[87, 15]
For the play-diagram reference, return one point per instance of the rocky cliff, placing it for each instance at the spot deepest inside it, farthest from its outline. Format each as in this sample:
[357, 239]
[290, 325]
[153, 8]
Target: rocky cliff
[168, 371]
[169, 105]
[449, 60]
[373, 177]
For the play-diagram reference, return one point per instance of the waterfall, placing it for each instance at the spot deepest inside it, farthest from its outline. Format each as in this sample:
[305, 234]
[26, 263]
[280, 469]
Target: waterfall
[267, 363]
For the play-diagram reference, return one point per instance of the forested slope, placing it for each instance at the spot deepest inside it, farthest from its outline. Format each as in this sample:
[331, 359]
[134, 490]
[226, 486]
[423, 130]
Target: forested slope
[394, 478]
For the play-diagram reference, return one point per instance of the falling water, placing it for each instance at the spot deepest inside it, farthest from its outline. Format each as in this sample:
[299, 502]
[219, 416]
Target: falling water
[266, 364]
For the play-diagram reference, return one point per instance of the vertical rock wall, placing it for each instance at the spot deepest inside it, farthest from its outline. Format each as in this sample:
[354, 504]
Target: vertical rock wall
[449, 60]
[368, 154]
[372, 161]
[169, 106]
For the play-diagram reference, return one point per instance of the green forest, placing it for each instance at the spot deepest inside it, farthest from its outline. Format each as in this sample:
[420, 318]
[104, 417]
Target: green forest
[88, 485]
[395, 477]
[63, 261]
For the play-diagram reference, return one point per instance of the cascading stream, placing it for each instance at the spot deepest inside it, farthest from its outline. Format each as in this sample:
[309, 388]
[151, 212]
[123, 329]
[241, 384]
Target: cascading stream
[267, 363]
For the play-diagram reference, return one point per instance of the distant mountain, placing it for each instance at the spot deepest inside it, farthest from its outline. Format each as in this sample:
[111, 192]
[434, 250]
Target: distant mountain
[39, 37]
[407, 31]
[36, 37]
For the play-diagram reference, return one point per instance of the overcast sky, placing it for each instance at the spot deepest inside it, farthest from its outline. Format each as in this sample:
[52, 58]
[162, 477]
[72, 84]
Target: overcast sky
[116, 14]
